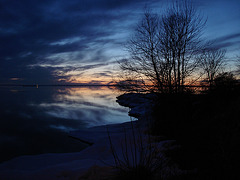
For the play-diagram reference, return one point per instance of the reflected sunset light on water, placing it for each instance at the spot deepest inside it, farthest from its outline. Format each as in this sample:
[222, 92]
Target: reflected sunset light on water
[38, 120]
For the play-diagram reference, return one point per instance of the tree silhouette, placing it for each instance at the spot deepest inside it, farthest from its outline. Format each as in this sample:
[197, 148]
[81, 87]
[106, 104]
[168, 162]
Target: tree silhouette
[143, 48]
[212, 62]
[180, 36]
[164, 48]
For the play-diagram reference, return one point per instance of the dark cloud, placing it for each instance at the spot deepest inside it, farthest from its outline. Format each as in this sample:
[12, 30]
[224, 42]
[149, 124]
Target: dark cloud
[101, 4]
[80, 69]
[226, 45]
[228, 41]
[228, 38]
[102, 74]
[56, 32]
[32, 31]
[94, 82]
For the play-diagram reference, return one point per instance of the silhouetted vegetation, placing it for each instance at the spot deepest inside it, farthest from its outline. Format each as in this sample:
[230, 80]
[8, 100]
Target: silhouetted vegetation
[165, 48]
[139, 158]
[165, 51]
[211, 61]
[207, 128]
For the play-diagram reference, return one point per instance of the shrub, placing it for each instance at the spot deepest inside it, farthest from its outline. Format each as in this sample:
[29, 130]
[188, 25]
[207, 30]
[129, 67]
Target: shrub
[139, 158]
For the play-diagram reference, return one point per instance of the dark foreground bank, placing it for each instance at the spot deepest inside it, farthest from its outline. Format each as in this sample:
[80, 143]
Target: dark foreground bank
[206, 128]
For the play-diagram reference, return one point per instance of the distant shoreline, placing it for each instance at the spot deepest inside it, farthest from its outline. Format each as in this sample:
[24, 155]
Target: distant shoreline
[57, 85]
[80, 85]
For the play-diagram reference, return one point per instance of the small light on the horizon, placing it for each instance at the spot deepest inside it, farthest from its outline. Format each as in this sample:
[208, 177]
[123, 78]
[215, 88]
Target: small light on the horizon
[15, 79]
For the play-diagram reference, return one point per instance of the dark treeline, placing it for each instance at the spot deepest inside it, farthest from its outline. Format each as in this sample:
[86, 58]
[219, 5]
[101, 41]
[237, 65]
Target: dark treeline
[206, 128]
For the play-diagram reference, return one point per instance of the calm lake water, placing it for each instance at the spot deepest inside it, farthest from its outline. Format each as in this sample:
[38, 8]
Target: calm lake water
[37, 120]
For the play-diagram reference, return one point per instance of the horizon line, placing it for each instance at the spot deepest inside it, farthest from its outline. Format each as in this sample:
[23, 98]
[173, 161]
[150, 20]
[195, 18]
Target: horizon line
[34, 85]
[83, 85]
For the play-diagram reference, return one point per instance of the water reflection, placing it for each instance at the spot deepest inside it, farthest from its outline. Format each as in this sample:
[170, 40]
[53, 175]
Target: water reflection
[37, 121]
[93, 106]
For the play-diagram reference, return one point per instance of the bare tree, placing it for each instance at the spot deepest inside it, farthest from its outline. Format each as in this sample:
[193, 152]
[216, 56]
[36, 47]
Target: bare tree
[144, 62]
[163, 48]
[212, 62]
[180, 37]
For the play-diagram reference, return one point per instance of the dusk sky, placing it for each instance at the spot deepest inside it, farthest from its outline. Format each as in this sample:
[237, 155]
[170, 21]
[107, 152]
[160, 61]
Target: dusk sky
[79, 41]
